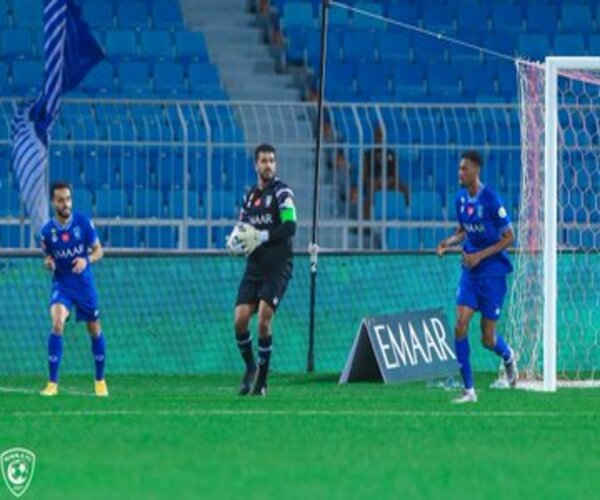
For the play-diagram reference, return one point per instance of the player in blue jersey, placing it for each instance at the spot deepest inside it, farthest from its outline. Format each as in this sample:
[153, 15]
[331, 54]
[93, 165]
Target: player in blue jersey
[485, 228]
[70, 246]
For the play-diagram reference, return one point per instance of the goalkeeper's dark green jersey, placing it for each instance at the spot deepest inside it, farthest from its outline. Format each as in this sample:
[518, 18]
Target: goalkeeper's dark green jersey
[271, 209]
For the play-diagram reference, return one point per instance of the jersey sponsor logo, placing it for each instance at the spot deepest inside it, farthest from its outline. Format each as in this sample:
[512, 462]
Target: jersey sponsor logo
[474, 228]
[69, 253]
[502, 212]
[65, 237]
[257, 220]
[77, 232]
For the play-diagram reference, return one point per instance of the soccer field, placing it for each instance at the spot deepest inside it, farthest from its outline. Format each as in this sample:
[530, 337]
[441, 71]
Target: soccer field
[192, 437]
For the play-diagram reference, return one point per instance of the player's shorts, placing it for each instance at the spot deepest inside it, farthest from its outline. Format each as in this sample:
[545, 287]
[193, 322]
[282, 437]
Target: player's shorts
[85, 301]
[484, 294]
[271, 289]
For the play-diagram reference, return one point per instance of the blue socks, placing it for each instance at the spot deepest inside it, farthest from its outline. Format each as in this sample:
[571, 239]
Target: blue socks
[462, 353]
[501, 348]
[55, 348]
[99, 351]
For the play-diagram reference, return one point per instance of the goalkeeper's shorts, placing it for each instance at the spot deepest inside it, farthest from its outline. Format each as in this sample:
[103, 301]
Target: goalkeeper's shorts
[271, 289]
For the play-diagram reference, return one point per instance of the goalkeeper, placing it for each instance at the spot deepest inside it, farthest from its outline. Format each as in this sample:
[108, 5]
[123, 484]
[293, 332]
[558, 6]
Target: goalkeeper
[264, 235]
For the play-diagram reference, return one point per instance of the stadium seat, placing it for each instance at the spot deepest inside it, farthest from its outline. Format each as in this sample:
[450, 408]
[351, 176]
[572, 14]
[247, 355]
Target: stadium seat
[541, 18]
[202, 75]
[4, 18]
[362, 22]
[121, 237]
[10, 202]
[533, 46]
[100, 80]
[159, 236]
[426, 205]
[479, 79]
[168, 79]
[576, 19]
[395, 206]
[132, 15]
[223, 205]
[166, 14]
[394, 47]
[197, 237]
[475, 18]
[3, 75]
[439, 19]
[134, 79]
[16, 44]
[507, 18]
[14, 236]
[360, 46]
[176, 204]
[156, 45]
[191, 46]
[147, 203]
[82, 201]
[297, 14]
[433, 235]
[99, 14]
[121, 45]
[569, 45]
[27, 14]
[27, 77]
[112, 203]
[403, 238]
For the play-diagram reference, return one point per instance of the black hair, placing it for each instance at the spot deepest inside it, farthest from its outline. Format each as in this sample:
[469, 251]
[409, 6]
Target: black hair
[60, 185]
[263, 148]
[473, 156]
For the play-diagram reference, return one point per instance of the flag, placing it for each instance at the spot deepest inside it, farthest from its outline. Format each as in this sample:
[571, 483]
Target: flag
[70, 52]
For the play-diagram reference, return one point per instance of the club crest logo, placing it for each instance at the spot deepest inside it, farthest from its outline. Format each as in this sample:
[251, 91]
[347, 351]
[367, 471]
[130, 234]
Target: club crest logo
[479, 210]
[53, 235]
[268, 200]
[18, 465]
[77, 232]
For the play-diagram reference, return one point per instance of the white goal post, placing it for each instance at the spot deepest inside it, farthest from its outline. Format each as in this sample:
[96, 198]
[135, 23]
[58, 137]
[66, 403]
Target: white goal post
[559, 224]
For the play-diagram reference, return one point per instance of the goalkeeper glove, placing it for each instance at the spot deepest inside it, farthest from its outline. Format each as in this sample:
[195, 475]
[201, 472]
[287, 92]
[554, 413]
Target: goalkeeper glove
[250, 238]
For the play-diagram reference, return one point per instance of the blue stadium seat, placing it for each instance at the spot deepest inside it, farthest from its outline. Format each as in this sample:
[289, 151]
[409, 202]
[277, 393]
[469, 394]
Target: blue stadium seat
[191, 46]
[474, 18]
[176, 202]
[112, 203]
[362, 22]
[27, 14]
[168, 79]
[403, 12]
[594, 45]
[27, 77]
[373, 79]
[197, 237]
[394, 47]
[359, 46]
[16, 44]
[99, 14]
[156, 45]
[297, 14]
[121, 237]
[429, 50]
[13, 236]
[4, 18]
[202, 75]
[313, 48]
[479, 79]
[121, 45]
[432, 236]
[147, 203]
[166, 14]
[219, 235]
[534, 46]
[296, 41]
[82, 201]
[443, 83]
[159, 236]
[100, 80]
[403, 238]
[339, 20]
[3, 75]
[541, 18]
[426, 205]
[569, 45]
[132, 15]
[223, 205]
[439, 18]
[10, 203]
[576, 19]
[395, 206]
[134, 79]
[507, 18]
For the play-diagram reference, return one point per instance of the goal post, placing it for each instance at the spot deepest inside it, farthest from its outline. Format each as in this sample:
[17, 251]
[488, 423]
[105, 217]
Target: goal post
[559, 224]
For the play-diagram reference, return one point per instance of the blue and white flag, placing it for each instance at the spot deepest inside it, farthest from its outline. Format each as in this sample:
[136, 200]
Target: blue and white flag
[70, 52]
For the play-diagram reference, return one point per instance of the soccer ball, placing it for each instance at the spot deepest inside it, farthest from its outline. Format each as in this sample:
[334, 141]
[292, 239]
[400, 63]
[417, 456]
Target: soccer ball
[234, 245]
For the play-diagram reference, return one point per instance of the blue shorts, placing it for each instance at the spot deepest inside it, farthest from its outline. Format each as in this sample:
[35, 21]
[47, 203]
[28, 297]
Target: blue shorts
[85, 301]
[485, 294]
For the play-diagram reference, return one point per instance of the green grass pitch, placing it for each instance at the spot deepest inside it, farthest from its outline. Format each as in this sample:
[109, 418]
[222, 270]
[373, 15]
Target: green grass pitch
[193, 437]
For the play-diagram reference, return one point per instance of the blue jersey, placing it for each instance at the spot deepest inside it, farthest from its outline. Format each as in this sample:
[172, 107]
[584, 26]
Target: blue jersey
[67, 242]
[484, 219]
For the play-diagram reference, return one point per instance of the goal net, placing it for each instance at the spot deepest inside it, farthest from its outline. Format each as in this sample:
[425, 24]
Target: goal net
[554, 313]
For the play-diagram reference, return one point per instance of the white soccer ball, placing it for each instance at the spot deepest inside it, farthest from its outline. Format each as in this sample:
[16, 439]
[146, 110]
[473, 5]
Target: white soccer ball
[234, 245]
